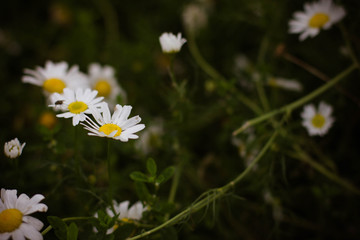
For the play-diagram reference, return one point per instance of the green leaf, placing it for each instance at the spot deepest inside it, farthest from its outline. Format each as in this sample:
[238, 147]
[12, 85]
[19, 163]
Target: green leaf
[165, 175]
[139, 176]
[72, 232]
[151, 166]
[59, 226]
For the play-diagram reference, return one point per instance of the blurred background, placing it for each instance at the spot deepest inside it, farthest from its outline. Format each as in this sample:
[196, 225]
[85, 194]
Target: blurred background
[282, 198]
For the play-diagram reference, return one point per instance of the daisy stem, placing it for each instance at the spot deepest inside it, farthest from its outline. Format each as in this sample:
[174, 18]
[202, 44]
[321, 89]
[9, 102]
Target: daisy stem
[209, 70]
[348, 45]
[174, 185]
[259, 84]
[211, 195]
[108, 161]
[304, 157]
[291, 106]
[46, 230]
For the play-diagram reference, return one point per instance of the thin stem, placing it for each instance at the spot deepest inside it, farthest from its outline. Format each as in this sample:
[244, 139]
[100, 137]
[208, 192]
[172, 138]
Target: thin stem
[174, 185]
[46, 230]
[302, 156]
[348, 45]
[297, 103]
[259, 83]
[209, 70]
[211, 195]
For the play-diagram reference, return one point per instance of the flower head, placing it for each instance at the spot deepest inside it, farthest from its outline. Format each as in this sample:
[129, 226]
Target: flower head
[55, 77]
[318, 121]
[126, 214]
[194, 17]
[117, 126]
[15, 221]
[102, 79]
[317, 16]
[13, 149]
[171, 43]
[75, 103]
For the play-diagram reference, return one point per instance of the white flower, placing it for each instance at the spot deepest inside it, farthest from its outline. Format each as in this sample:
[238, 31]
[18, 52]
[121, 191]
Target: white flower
[126, 214]
[318, 121]
[15, 221]
[76, 103]
[194, 17]
[102, 79]
[117, 126]
[171, 43]
[55, 77]
[287, 84]
[13, 149]
[317, 16]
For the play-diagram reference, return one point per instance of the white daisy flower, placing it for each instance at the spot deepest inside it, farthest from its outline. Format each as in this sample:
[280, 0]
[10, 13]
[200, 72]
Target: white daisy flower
[288, 84]
[15, 221]
[317, 16]
[171, 43]
[117, 126]
[76, 103]
[13, 148]
[317, 122]
[126, 214]
[102, 79]
[55, 77]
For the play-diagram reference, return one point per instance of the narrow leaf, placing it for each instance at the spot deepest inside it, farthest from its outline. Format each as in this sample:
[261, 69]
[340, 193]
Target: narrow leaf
[151, 166]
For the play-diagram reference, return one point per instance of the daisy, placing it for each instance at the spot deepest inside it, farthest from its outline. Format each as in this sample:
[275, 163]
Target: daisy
[102, 79]
[317, 16]
[55, 77]
[171, 43]
[75, 103]
[15, 221]
[126, 214]
[117, 126]
[318, 121]
[287, 84]
[13, 148]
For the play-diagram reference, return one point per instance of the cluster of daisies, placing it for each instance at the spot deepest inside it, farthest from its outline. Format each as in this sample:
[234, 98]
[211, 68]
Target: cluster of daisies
[78, 95]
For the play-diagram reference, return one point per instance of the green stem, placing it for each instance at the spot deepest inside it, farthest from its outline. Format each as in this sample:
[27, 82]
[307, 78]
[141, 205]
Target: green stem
[209, 70]
[259, 83]
[297, 103]
[348, 45]
[46, 230]
[302, 156]
[174, 185]
[108, 160]
[212, 195]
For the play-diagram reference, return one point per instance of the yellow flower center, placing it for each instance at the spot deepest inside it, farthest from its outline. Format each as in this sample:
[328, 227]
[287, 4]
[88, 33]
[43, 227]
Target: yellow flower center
[54, 85]
[126, 220]
[103, 88]
[10, 220]
[77, 107]
[318, 121]
[109, 128]
[318, 20]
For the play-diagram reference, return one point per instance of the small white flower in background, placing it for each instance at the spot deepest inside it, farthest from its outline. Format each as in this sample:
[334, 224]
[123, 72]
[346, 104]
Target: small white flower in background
[75, 103]
[317, 121]
[15, 221]
[171, 43]
[150, 137]
[126, 214]
[194, 17]
[102, 79]
[117, 126]
[288, 84]
[13, 148]
[55, 77]
[317, 16]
